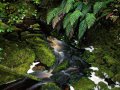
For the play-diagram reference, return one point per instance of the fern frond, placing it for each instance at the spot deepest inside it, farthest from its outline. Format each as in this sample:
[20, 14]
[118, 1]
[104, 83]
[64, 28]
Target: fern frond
[66, 20]
[97, 6]
[57, 19]
[68, 6]
[74, 16]
[86, 9]
[62, 5]
[76, 4]
[82, 28]
[68, 29]
[90, 19]
[52, 14]
[80, 6]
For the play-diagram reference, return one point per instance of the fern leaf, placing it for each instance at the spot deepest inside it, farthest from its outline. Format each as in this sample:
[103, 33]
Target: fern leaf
[97, 6]
[62, 5]
[66, 20]
[86, 9]
[51, 15]
[68, 29]
[57, 19]
[68, 6]
[80, 6]
[90, 19]
[76, 4]
[74, 16]
[82, 29]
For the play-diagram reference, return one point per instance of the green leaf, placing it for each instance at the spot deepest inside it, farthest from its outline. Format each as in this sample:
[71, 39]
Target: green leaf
[90, 19]
[86, 9]
[80, 6]
[76, 4]
[97, 6]
[68, 29]
[52, 14]
[66, 20]
[68, 6]
[82, 29]
[74, 16]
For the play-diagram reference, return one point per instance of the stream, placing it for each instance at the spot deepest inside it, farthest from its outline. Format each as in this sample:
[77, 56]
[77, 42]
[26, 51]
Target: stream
[77, 65]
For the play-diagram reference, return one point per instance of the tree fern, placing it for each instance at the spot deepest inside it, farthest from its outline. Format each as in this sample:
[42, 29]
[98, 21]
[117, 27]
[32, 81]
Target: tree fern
[74, 16]
[74, 10]
[90, 19]
[82, 28]
[52, 14]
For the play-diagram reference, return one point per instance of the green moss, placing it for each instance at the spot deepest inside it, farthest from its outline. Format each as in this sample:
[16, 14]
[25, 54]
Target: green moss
[116, 88]
[50, 86]
[7, 74]
[6, 77]
[16, 57]
[103, 86]
[106, 55]
[109, 60]
[42, 50]
[99, 73]
[45, 55]
[117, 77]
[83, 84]
[62, 66]
[106, 70]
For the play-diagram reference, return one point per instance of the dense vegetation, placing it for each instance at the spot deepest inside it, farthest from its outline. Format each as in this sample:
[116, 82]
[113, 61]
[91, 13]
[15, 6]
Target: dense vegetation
[25, 24]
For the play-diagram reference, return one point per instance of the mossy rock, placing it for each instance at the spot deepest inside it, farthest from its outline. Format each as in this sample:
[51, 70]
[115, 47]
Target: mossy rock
[6, 77]
[17, 57]
[50, 86]
[83, 84]
[99, 73]
[117, 77]
[103, 86]
[106, 70]
[116, 88]
[42, 50]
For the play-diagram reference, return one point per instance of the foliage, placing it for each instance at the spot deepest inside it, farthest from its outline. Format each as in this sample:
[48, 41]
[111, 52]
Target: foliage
[50, 86]
[76, 12]
[42, 50]
[12, 13]
[37, 1]
[83, 84]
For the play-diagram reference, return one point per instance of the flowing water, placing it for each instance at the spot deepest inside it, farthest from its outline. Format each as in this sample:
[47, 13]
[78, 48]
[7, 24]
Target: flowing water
[62, 52]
